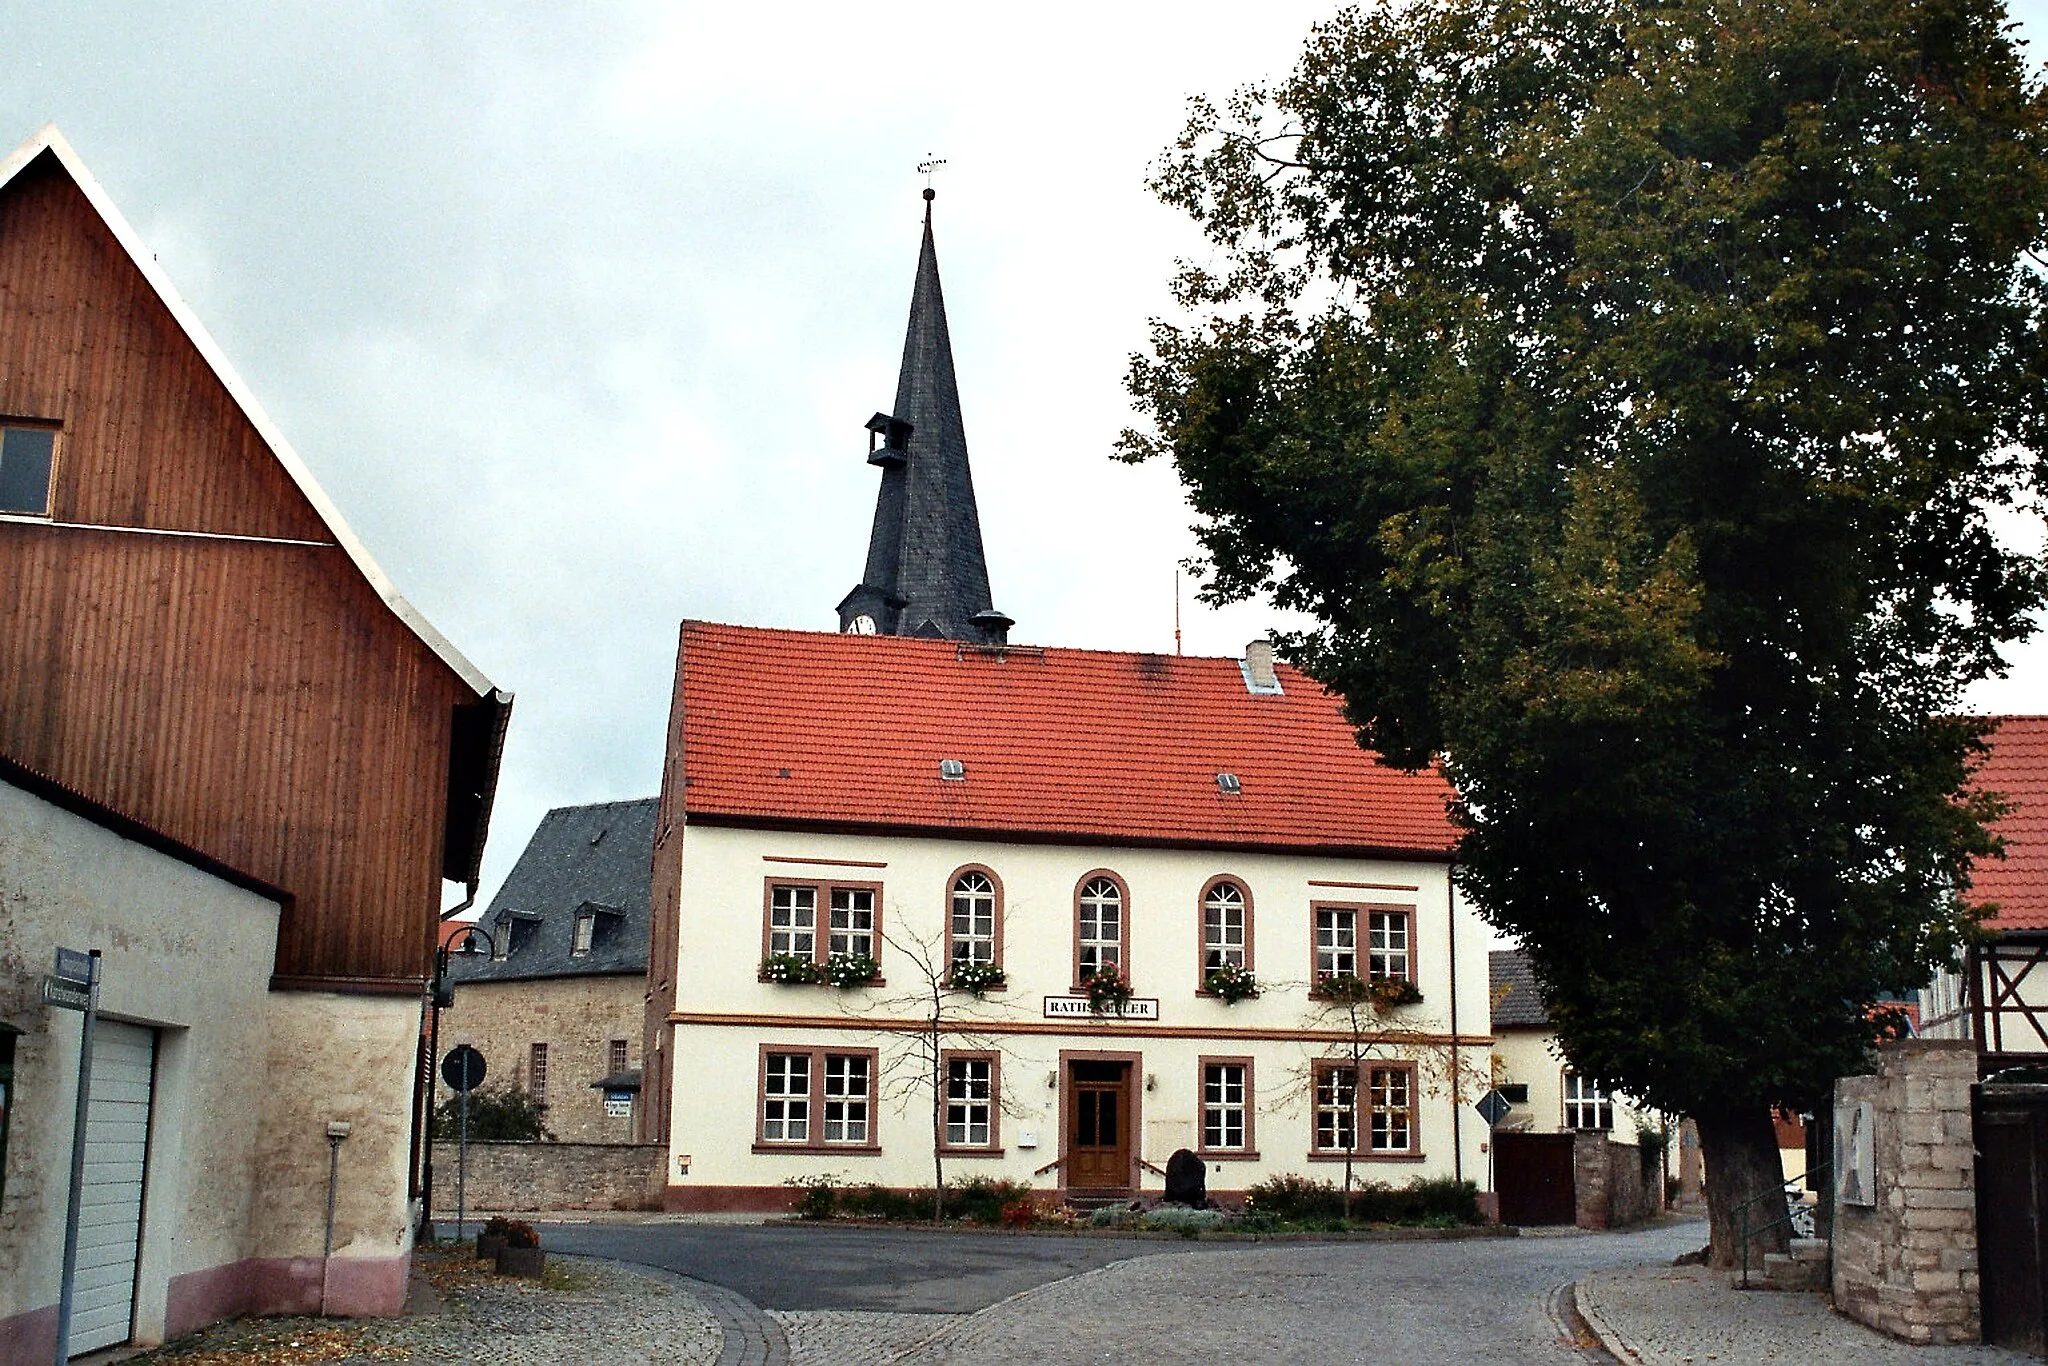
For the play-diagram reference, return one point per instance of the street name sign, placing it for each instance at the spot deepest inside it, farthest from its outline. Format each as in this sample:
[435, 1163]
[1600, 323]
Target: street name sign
[74, 965]
[65, 994]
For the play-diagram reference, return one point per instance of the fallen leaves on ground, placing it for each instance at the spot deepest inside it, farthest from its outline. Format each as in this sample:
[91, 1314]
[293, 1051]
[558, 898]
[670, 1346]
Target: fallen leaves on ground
[274, 1343]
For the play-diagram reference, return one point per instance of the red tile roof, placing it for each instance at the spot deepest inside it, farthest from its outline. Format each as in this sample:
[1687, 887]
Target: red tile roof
[802, 727]
[2018, 768]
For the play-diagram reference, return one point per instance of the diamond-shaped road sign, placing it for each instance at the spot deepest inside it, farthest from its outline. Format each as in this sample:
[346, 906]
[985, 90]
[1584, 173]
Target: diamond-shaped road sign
[1493, 1106]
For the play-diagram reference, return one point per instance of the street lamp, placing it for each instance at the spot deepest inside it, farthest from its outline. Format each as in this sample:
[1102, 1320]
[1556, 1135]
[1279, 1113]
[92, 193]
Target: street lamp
[473, 945]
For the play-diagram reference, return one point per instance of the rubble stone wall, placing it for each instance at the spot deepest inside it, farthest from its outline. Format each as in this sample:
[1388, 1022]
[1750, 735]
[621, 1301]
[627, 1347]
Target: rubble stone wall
[525, 1177]
[1907, 1265]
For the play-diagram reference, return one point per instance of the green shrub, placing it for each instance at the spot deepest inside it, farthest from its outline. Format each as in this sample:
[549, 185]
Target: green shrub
[1189, 1223]
[980, 1200]
[1292, 1199]
[817, 1196]
[503, 1113]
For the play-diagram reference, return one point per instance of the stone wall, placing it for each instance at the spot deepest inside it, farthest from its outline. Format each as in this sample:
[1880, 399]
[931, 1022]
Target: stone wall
[1908, 1264]
[527, 1177]
[1608, 1181]
[577, 1018]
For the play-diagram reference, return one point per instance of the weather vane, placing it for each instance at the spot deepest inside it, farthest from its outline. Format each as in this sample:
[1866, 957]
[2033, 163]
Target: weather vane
[927, 166]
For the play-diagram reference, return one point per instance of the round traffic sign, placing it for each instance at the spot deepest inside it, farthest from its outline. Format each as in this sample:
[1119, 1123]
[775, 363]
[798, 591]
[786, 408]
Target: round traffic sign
[463, 1068]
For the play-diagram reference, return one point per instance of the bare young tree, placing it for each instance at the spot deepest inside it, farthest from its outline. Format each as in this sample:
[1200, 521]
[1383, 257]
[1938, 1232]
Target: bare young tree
[949, 1006]
[1365, 1014]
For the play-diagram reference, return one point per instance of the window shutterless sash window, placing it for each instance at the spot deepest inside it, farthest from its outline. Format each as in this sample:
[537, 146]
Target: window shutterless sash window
[28, 458]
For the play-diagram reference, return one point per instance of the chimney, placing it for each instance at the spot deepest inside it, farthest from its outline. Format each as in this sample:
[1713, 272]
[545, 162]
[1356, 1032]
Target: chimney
[1259, 677]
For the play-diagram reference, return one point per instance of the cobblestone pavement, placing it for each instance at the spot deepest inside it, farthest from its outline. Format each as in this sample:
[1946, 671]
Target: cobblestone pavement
[835, 1338]
[1663, 1316]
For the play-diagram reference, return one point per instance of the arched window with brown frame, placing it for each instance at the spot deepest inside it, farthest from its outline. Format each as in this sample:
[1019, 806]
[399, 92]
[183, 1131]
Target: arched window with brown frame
[974, 916]
[1226, 927]
[1102, 926]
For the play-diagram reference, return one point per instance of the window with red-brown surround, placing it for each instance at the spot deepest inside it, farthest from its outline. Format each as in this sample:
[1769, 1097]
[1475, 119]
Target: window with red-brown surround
[1388, 945]
[975, 917]
[1225, 1129]
[1380, 1121]
[1336, 941]
[816, 920]
[1226, 926]
[973, 1103]
[820, 1099]
[1101, 925]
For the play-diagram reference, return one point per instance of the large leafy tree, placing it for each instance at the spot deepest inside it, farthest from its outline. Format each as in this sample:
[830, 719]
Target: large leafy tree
[1631, 392]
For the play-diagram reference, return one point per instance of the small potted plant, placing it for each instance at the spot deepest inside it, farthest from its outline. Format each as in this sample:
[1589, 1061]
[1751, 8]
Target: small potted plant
[975, 977]
[492, 1239]
[850, 969]
[521, 1255]
[1107, 990]
[790, 969]
[1341, 988]
[1231, 983]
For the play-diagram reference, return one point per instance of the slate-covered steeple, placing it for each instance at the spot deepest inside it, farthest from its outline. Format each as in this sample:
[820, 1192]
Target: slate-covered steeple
[925, 573]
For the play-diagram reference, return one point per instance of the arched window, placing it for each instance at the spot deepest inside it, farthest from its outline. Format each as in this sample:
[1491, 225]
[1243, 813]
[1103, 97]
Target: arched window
[1226, 926]
[1099, 926]
[975, 915]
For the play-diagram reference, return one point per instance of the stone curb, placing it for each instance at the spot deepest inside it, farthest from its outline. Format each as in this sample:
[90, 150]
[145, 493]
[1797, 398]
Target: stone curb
[752, 1338]
[1611, 1338]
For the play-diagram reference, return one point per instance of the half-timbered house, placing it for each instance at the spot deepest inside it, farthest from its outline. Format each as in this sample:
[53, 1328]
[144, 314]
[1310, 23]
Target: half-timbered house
[2000, 995]
[197, 653]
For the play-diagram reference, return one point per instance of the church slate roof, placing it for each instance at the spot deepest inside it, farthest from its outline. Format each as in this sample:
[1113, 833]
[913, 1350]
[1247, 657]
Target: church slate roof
[926, 573]
[599, 856]
[808, 729]
[2018, 768]
[1517, 1000]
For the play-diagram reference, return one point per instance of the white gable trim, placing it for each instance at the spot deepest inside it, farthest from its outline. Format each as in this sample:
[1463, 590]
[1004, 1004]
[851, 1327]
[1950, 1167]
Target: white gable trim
[49, 139]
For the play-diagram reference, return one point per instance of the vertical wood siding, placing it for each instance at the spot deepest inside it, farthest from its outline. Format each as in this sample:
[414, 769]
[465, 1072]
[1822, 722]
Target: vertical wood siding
[256, 701]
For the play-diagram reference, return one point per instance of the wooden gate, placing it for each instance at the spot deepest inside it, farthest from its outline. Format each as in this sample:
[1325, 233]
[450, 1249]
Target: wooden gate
[2012, 1236]
[1533, 1175]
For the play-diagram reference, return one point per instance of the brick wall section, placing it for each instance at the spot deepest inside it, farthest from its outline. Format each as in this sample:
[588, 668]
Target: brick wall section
[1908, 1266]
[530, 1177]
[1608, 1182]
[577, 1018]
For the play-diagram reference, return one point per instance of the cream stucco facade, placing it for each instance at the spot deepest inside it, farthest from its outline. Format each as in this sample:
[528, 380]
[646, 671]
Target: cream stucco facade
[244, 1084]
[727, 1022]
[1531, 1058]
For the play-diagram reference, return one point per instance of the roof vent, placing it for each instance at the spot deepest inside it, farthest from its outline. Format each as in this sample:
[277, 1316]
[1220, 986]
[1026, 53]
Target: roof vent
[1260, 678]
[953, 770]
[1228, 784]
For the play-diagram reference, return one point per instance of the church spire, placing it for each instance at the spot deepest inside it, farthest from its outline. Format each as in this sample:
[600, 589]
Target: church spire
[925, 575]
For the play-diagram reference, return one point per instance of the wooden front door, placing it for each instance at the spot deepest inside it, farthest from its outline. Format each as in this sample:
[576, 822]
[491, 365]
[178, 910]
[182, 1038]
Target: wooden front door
[1535, 1178]
[1099, 1132]
[2012, 1226]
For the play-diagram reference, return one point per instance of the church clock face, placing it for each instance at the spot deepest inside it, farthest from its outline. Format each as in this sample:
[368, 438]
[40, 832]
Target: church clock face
[862, 625]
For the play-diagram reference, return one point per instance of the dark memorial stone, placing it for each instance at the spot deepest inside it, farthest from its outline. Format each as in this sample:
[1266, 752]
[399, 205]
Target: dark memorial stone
[1187, 1180]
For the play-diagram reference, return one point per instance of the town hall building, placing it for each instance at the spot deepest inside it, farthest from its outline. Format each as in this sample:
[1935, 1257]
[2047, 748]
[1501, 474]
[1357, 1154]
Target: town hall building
[1127, 885]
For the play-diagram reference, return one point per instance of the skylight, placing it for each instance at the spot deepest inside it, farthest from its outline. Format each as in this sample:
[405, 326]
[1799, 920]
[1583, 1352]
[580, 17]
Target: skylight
[953, 770]
[1228, 785]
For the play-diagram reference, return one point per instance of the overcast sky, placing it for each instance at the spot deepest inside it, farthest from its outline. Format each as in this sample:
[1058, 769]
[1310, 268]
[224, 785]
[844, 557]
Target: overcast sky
[577, 310]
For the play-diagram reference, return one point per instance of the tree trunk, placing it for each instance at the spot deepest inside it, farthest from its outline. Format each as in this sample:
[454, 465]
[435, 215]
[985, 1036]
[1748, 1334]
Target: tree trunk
[1740, 1148]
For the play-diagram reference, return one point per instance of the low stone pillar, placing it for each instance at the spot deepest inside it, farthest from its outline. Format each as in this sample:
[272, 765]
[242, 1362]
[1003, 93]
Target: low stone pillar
[1906, 1263]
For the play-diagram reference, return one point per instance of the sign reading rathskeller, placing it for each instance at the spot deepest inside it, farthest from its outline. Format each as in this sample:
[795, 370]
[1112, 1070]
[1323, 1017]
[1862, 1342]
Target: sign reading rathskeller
[1077, 1008]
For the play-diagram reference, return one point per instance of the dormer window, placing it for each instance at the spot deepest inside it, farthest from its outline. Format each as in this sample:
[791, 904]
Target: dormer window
[586, 932]
[28, 458]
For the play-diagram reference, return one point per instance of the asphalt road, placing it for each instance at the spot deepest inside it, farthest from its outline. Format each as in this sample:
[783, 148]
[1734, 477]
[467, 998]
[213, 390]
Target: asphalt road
[1468, 1290]
[882, 1270]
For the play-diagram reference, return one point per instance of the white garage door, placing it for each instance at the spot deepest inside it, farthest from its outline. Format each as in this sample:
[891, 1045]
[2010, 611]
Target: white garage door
[110, 1216]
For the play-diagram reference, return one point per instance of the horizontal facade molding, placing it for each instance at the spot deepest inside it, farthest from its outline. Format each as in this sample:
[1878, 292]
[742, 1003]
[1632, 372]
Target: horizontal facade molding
[748, 820]
[1103, 1030]
[822, 862]
[17, 520]
[351, 986]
